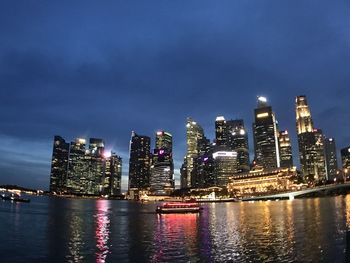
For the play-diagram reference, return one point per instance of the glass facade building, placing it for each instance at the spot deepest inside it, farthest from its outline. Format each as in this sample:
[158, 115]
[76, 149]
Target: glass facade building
[285, 146]
[265, 136]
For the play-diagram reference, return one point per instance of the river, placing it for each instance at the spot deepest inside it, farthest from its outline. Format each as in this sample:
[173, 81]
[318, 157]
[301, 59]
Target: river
[50, 229]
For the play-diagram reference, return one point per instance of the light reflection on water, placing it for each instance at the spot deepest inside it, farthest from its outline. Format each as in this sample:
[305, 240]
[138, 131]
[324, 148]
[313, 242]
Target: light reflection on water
[76, 230]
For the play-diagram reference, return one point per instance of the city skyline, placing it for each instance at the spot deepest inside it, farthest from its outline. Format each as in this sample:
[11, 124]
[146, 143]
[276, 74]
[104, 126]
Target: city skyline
[156, 143]
[103, 71]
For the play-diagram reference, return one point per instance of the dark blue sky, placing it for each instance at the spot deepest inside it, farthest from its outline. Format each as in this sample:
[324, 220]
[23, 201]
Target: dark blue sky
[103, 69]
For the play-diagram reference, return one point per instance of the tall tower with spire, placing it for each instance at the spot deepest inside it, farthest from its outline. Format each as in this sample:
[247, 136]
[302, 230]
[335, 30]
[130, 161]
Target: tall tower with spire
[311, 143]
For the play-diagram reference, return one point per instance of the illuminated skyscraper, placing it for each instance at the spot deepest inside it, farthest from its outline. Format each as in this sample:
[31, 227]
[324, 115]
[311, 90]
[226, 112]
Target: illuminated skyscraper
[112, 174]
[331, 158]
[345, 158]
[194, 135]
[59, 165]
[78, 168]
[204, 176]
[237, 140]
[311, 143]
[266, 136]
[220, 131]
[96, 166]
[285, 150]
[162, 169]
[224, 165]
[303, 116]
[139, 162]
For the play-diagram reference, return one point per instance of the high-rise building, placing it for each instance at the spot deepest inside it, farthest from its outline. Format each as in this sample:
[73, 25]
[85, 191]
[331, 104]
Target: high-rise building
[220, 131]
[204, 176]
[331, 158]
[96, 166]
[162, 169]
[59, 165]
[139, 162]
[81, 171]
[112, 174]
[285, 145]
[183, 174]
[311, 143]
[266, 136]
[78, 167]
[345, 158]
[194, 136]
[237, 140]
[224, 165]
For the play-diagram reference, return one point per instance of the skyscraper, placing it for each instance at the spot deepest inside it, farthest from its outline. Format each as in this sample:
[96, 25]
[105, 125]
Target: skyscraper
[311, 143]
[204, 176]
[194, 136]
[286, 155]
[345, 158]
[237, 140]
[139, 162]
[162, 169]
[78, 168]
[331, 158]
[220, 131]
[81, 171]
[225, 165]
[266, 136]
[59, 165]
[96, 166]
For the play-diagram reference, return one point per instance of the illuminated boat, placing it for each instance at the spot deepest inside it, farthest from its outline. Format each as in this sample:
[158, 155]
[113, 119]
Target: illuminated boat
[178, 207]
[14, 198]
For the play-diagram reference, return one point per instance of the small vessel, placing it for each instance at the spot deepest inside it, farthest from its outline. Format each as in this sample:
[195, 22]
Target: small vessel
[178, 207]
[14, 198]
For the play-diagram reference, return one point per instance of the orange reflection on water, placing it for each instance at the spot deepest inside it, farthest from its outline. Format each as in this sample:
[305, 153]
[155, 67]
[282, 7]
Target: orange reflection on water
[347, 205]
[102, 230]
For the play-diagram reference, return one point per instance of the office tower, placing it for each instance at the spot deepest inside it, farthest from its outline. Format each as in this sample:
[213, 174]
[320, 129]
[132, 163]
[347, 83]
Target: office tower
[345, 158]
[225, 165]
[194, 136]
[311, 143]
[112, 174]
[286, 156]
[265, 136]
[78, 168]
[205, 176]
[331, 158]
[139, 162]
[220, 131]
[96, 166]
[59, 165]
[162, 169]
[237, 140]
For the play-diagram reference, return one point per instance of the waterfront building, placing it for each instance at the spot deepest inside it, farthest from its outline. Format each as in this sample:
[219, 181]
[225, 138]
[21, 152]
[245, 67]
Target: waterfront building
[183, 174]
[266, 136]
[204, 176]
[220, 131]
[194, 139]
[224, 165]
[112, 174]
[59, 165]
[237, 140]
[84, 171]
[345, 158]
[262, 182]
[286, 155]
[78, 168]
[311, 143]
[139, 163]
[96, 166]
[331, 158]
[162, 169]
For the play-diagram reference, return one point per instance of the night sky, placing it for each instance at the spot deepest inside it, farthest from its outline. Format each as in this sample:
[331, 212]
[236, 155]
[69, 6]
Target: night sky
[102, 69]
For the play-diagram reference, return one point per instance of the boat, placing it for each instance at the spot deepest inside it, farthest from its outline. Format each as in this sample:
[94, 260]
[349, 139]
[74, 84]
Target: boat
[14, 198]
[178, 207]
